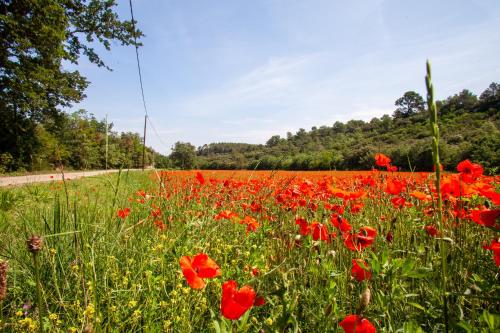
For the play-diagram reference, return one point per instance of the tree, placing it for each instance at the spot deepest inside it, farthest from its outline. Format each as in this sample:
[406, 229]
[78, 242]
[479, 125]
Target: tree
[36, 37]
[459, 103]
[489, 100]
[273, 141]
[410, 104]
[183, 155]
[491, 94]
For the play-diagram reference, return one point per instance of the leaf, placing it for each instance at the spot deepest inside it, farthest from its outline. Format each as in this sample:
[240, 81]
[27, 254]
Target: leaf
[466, 326]
[374, 263]
[408, 266]
[385, 259]
[419, 273]
[412, 327]
[492, 320]
[332, 284]
[416, 305]
[397, 263]
[216, 326]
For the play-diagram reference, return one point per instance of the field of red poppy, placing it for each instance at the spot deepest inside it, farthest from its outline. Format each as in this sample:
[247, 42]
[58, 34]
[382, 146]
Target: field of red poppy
[245, 251]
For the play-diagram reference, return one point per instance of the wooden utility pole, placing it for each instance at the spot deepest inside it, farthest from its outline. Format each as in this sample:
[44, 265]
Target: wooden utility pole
[144, 144]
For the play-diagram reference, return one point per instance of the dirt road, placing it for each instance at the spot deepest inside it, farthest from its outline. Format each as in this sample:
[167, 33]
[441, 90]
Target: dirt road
[20, 180]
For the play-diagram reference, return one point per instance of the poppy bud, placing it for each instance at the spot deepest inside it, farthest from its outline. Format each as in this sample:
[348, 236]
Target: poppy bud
[35, 244]
[389, 237]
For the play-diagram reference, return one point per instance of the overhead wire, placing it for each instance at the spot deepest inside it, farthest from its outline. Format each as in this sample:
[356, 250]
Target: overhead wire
[148, 118]
[159, 137]
[137, 58]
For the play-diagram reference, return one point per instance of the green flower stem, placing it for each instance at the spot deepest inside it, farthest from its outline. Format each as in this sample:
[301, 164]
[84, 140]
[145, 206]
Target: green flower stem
[38, 292]
[437, 166]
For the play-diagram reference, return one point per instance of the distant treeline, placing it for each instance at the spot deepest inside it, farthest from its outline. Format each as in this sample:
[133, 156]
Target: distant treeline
[75, 141]
[469, 130]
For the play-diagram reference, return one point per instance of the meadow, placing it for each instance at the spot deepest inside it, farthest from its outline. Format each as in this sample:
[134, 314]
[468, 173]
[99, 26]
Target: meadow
[252, 251]
[249, 251]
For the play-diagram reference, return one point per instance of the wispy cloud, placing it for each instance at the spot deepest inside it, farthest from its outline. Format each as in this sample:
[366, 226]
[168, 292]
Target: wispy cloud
[239, 71]
[270, 85]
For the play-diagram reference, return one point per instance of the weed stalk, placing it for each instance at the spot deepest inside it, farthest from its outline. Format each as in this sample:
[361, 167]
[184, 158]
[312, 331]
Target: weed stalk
[437, 166]
[34, 246]
[3, 287]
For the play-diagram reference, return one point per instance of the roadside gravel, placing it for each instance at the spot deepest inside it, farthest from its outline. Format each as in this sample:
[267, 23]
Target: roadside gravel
[20, 180]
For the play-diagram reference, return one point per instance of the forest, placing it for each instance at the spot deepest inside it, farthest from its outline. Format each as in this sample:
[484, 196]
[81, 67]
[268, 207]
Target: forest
[470, 129]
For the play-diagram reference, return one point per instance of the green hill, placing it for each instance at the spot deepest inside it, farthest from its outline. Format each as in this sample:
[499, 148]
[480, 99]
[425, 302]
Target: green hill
[470, 129]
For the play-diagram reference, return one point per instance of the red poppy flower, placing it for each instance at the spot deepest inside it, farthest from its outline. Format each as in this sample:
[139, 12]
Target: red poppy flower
[256, 207]
[305, 229]
[366, 236]
[398, 202]
[340, 223]
[486, 217]
[361, 240]
[199, 178]
[199, 268]
[251, 223]
[338, 209]
[469, 171]
[381, 160]
[226, 214]
[394, 187]
[420, 196]
[392, 168]
[431, 230]
[123, 213]
[356, 207]
[236, 302]
[160, 225]
[319, 232]
[495, 247]
[358, 272]
[357, 324]
[259, 301]
[156, 212]
[492, 195]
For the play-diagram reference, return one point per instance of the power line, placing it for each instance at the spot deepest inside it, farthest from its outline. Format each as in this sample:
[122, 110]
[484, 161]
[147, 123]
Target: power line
[158, 135]
[137, 57]
[146, 117]
[140, 81]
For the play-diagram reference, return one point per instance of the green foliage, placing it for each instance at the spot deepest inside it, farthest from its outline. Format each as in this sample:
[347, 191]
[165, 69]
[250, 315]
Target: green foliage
[78, 141]
[183, 155]
[470, 129]
[408, 105]
[37, 36]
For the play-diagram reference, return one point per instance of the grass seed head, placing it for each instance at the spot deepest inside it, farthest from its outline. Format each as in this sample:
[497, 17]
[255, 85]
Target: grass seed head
[365, 298]
[35, 244]
[3, 279]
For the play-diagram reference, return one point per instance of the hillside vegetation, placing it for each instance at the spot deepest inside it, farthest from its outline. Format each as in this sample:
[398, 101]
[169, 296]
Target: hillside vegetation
[75, 141]
[469, 129]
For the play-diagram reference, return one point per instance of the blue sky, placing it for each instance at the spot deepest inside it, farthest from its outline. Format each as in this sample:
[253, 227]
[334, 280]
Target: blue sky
[242, 71]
